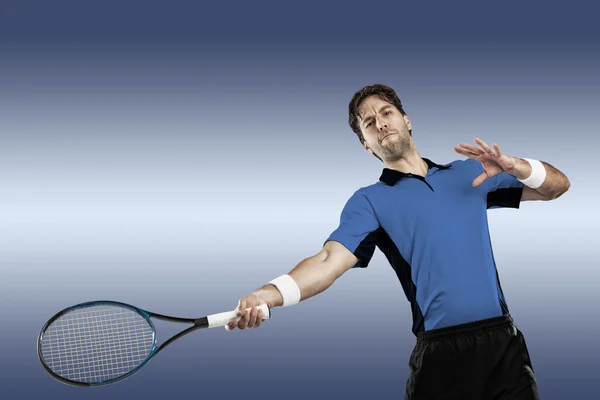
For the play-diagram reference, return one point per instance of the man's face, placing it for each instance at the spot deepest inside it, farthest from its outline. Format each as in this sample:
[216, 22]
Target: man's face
[384, 128]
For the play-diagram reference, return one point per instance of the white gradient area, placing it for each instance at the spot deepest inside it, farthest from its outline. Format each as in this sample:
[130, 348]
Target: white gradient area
[180, 182]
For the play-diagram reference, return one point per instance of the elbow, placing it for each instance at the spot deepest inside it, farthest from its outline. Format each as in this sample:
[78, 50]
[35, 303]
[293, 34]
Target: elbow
[562, 189]
[566, 186]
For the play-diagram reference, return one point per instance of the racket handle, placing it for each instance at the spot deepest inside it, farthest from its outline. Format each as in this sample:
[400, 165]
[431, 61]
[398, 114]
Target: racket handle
[224, 318]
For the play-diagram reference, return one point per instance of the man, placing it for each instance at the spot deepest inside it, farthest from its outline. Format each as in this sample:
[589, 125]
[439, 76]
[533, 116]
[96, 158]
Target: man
[430, 221]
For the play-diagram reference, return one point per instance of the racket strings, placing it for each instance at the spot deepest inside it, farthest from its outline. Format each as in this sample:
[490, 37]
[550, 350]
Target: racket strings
[97, 343]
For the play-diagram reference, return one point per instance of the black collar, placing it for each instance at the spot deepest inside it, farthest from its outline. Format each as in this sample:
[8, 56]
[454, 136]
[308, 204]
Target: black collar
[391, 176]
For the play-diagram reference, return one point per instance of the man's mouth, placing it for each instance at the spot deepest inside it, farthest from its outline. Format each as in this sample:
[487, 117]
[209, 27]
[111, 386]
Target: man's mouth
[389, 134]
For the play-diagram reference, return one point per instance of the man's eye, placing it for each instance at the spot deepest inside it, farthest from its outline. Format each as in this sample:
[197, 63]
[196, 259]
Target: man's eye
[387, 112]
[368, 124]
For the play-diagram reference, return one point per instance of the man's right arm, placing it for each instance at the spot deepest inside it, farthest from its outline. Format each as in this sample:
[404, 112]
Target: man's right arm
[312, 275]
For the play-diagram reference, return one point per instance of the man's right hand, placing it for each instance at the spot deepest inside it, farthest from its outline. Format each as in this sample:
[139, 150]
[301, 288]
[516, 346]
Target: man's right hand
[254, 318]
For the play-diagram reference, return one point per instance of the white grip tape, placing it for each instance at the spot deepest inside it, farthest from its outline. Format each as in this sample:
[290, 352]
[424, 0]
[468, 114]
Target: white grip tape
[224, 318]
[538, 174]
[287, 286]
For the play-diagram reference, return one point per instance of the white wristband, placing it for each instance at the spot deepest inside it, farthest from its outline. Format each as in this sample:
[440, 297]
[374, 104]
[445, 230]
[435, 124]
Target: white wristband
[288, 288]
[538, 174]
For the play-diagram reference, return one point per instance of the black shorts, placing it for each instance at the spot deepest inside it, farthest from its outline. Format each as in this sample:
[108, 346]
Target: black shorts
[481, 360]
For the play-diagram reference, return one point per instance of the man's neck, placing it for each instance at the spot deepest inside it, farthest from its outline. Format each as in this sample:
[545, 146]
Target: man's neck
[411, 164]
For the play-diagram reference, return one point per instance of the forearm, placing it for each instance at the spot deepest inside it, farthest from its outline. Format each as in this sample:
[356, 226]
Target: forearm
[312, 275]
[555, 184]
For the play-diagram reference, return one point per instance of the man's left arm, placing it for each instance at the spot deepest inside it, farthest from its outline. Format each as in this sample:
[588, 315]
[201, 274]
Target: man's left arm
[555, 184]
[540, 180]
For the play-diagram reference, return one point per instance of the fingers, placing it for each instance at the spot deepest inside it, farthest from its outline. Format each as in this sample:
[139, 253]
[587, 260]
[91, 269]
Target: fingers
[259, 319]
[466, 153]
[470, 148]
[498, 152]
[255, 318]
[248, 319]
[241, 306]
[479, 180]
[484, 146]
[244, 320]
[252, 320]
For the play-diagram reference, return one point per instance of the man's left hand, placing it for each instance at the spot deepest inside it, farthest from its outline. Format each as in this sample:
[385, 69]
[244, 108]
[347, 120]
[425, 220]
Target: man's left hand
[494, 162]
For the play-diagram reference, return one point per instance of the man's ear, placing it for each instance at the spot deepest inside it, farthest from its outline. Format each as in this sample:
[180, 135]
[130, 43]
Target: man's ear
[366, 146]
[407, 121]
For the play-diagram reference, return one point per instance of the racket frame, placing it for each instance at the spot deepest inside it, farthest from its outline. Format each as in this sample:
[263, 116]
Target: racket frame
[198, 323]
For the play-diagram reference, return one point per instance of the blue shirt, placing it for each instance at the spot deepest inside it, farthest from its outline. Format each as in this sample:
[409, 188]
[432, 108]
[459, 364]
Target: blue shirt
[434, 232]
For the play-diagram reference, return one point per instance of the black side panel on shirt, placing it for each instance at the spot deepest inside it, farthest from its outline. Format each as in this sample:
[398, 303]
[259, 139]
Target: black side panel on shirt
[366, 248]
[509, 198]
[403, 271]
[503, 304]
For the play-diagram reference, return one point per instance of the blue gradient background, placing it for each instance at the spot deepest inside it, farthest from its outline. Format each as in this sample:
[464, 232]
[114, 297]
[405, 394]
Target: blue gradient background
[178, 157]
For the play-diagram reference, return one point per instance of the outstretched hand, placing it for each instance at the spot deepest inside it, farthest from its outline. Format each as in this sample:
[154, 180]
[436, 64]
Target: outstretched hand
[494, 162]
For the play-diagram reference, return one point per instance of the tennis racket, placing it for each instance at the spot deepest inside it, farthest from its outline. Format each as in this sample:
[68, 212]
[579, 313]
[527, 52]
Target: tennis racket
[102, 342]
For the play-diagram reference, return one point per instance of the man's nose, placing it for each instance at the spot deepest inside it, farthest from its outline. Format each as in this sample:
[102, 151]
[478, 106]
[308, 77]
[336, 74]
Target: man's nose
[381, 125]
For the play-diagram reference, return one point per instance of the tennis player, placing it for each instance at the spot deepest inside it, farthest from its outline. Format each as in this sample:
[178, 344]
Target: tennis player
[430, 222]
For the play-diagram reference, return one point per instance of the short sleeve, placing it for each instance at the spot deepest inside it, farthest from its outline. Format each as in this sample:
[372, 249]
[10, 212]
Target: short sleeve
[358, 230]
[504, 190]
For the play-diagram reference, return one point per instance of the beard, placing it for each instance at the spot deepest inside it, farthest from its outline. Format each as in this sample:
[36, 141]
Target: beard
[394, 148]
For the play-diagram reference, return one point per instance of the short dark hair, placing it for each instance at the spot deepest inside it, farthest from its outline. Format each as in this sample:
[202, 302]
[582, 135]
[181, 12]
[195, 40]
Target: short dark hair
[384, 92]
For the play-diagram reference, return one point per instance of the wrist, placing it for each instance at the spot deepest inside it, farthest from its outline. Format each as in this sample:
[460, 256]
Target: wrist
[288, 289]
[536, 176]
[521, 170]
[270, 295]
